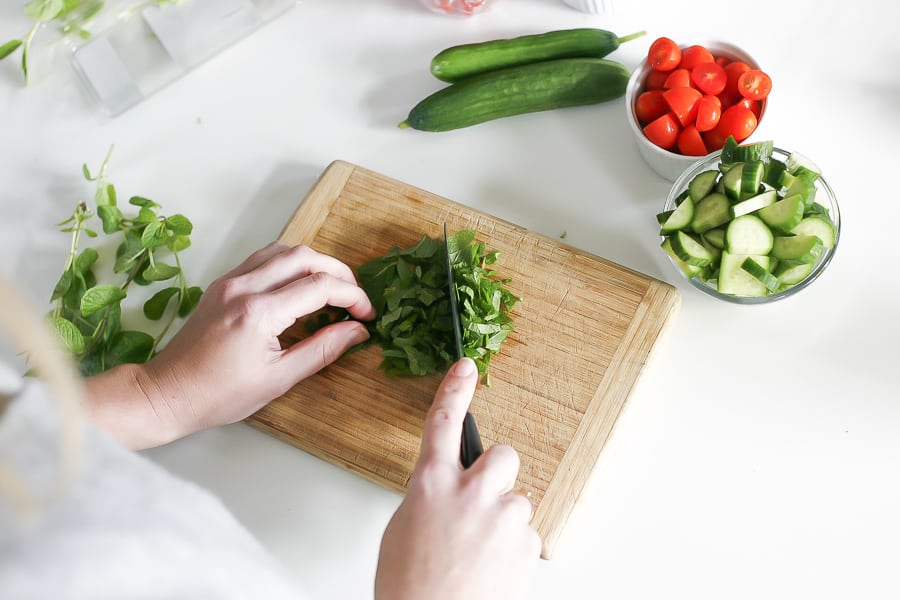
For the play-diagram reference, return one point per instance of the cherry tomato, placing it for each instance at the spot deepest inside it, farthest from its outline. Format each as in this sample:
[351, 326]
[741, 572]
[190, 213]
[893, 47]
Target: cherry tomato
[678, 78]
[713, 139]
[753, 105]
[683, 102]
[664, 54]
[723, 61]
[754, 84]
[690, 143]
[650, 105]
[656, 80]
[709, 109]
[663, 131]
[738, 121]
[728, 99]
[693, 56]
[733, 71]
[709, 77]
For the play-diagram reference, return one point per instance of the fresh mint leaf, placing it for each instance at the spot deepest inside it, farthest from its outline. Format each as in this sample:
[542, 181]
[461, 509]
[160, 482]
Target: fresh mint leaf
[129, 347]
[68, 334]
[86, 260]
[99, 297]
[178, 243]
[159, 271]
[106, 195]
[189, 301]
[110, 216]
[43, 11]
[179, 225]
[154, 235]
[129, 252]
[86, 172]
[9, 47]
[155, 307]
[142, 202]
[63, 285]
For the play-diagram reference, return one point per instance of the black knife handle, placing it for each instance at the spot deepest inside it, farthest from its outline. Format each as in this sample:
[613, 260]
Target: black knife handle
[470, 447]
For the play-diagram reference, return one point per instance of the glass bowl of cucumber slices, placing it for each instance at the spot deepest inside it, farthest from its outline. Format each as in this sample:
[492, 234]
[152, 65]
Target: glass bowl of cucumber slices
[751, 223]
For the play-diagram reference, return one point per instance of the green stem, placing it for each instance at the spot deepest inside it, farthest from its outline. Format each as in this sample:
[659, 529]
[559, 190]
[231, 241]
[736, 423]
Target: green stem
[633, 36]
[182, 284]
[26, 45]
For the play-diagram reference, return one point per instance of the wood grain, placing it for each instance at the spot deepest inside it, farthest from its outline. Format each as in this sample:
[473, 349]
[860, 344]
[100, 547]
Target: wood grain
[583, 332]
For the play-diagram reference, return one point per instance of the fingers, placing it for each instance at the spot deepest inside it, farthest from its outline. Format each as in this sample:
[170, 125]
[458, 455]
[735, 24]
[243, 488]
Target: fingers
[292, 263]
[256, 259]
[304, 296]
[495, 471]
[517, 507]
[443, 424]
[319, 350]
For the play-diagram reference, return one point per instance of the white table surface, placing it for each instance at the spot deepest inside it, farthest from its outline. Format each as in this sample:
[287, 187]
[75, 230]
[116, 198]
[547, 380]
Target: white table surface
[759, 455]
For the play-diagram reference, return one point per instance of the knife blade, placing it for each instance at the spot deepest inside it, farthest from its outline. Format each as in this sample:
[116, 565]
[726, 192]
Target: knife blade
[470, 447]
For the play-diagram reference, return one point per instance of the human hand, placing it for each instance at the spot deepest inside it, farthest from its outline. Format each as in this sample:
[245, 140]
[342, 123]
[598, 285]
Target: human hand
[458, 533]
[226, 362]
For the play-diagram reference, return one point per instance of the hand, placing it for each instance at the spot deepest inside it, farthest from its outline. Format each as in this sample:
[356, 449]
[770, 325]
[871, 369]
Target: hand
[226, 361]
[458, 533]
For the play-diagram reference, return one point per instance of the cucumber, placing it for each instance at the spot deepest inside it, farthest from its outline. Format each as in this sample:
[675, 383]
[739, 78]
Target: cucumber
[754, 203]
[460, 62]
[518, 90]
[710, 212]
[785, 214]
[715, 237]
[751, 178]
[797, 249]
[690, 250]
[792, 274]
[735, 281]
[688, 270]
[748, 235]
[760, 273]
[679, 218]
[701, 185]
[731, 180]
[818, 226]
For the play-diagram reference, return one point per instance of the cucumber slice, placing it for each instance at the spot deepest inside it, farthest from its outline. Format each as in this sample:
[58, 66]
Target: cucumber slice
[760, 273]
[661, 217]
[806, 189]
[784, 214]
[754, 203]
[729, 149]
[735, 281]
[748, 235]
[680, 218]
[690, 250]
[785, 181]
[688, 270]
[712, 211]
[731, 180]
[818, 226]
[797, 249]
[751, 178]
[796, 161]
[792, 274]
[715, 237]
[701, 185]
[759, 151]
[774, 170]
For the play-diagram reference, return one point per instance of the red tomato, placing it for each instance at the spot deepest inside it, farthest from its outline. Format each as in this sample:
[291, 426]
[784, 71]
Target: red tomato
[709, 109]
[733, 71]
[713, 139]
[683, 102]
[753, 105]
[656, 79]
[723, 61]
[709, 77]
[738, 121]
[663, 131]
[693, 56]
[650, 105]
[664, 54]
[754, 84]
[728, 99]
[690, 143]
[678, 78]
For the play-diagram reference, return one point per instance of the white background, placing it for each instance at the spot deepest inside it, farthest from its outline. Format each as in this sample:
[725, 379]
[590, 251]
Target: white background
[759, 455]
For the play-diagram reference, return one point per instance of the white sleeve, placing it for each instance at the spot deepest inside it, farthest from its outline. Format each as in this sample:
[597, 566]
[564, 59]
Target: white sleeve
[125, 528]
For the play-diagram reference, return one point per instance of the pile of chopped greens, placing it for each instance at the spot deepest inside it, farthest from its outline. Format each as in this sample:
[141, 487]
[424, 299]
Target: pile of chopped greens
[409, 291]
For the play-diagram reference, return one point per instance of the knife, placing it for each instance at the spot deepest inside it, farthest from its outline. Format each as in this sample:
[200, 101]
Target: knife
[470, 447]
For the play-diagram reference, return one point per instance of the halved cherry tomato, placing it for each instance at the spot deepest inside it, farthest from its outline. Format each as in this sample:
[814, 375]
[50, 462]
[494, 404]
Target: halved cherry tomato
[709, 109]
[690, 143]
[713, 139]
[709, 77]
[733, 71]
[723, 61]
[728, 99]
[657, 79]
[753, 105]
[738, 121]
[678, 78]
[683, 102]
[664, 54]
[754, 84]
[693, 56]
[650, 105]
[663, 131]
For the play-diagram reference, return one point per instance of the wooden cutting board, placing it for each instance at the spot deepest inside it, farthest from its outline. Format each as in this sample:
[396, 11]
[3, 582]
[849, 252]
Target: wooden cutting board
[583, 332]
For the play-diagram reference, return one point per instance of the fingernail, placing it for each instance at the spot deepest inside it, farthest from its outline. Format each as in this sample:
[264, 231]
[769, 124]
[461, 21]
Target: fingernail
[464, 367]
[359, 335]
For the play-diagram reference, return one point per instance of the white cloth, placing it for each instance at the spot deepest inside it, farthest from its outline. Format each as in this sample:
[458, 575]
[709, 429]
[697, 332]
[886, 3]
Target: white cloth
[125, 529]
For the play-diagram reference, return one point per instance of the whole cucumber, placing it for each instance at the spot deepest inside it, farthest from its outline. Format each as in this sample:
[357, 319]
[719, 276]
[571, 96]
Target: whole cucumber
[459, 62]
[517, 90]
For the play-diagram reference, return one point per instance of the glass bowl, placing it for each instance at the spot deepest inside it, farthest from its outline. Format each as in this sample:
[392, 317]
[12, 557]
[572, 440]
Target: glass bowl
[824, 196]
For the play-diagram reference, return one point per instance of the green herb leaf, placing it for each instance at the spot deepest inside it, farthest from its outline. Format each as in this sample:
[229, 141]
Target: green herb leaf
[143, 202]
[110, 216]
[128, 347]
[160, 272]
[189, 301]
[63, 285]
[154, 235]
[177, 243]
[86, 172]
[99, 297]
[106, 195]
[86, 260]
[129, 252]
[155, 307]
[68, 334]
[179, 225]
[9, 47]
[43, 11]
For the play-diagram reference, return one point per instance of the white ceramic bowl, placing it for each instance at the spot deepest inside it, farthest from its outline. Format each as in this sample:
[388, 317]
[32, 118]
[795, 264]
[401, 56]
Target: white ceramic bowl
[666, 164]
